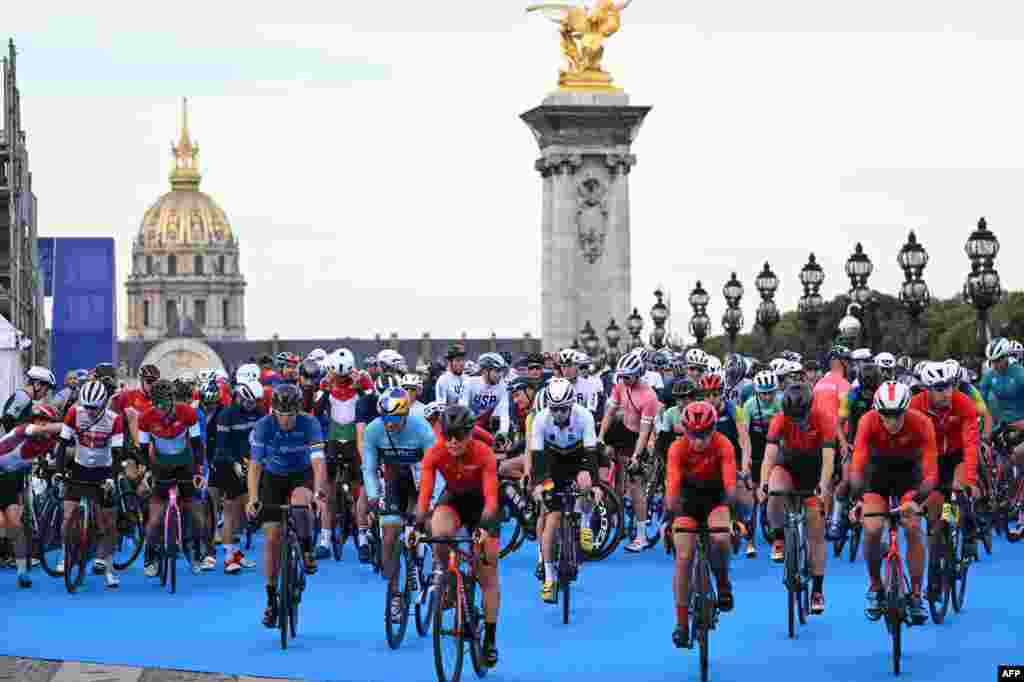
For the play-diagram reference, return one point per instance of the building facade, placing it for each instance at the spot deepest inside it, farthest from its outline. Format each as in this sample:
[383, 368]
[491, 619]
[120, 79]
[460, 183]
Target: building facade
[185, 278]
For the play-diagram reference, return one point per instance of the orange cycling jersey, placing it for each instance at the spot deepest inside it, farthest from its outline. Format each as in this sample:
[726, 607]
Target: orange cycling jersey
[135, 398]
[714, 467]
[956, 429]
[819, 432]
[479, 434]
[915, 441]
[476, 471]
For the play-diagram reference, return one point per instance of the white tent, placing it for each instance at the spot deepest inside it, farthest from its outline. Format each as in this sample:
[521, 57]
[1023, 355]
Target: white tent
[11, 371]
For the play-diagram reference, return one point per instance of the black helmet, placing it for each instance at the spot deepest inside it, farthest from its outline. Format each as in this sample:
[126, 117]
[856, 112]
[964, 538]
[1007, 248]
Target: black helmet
[105, 370]
[162, 391]
[149, 372]
[310, 369]
[796, 401]
[535, 359]
[287, 399]
[684, 387]
[456, 419]
[182, 389]
[521, 384]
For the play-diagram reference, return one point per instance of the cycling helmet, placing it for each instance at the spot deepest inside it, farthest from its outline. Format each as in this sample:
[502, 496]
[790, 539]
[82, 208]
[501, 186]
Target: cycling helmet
[162, 391]
[796, 401]
[684, 387]
[456, 350]
[792, 356]
[384, 383]
[44, 411]
[957, 369]
[939, 374]
[394, 402]
[93, 395]
[209, 393]
[149, 373]
[838, 352]
[471, 368]
[792, 367]
[246, 373]
[434, 409]
[317, 354]
[892, 398]
[282, 359]
[492, 361]
[997, 350]
[871, 377]
[566, 356]
[105, 370]
[287, 399]
[710, 382]
[521, 383]
[581, 359]
[885, 361]
[695, 357]
[310, 369]
[412, 381]
[714, 364]
[778, 366]
[766, 382]
[248, 392]
[204, 376]
[42, 375]
[630, 365]
[700, 417]
[559, 393]
[919, 367]
[905, 362]
[661, 360]
[1016, 349]
[679, 364]
[535, 359]
[861, 354]
[183, 389]
[457, 420]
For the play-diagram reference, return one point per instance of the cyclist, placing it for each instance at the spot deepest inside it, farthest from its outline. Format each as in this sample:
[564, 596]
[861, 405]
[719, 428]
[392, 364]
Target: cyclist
[171, 436]
[449, 386]
[522, 391]
[396, 440]
[640, 406]
[19, 448]
[563, 451]
[1005, 382]
[18, 408]
[287, 467]
[899, 444]
[800, 455]
[696, 364]
[700, 487]
[412, 382]
[98, 433]
[470, 501]
[231, 456]
[759, 411]
[955, 419]
[486, 395]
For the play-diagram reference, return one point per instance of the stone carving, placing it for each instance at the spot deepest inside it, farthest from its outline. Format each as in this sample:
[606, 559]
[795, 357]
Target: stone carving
[559, 164]
[197, 226]
[591, 215]
[620, 164]
[172, 226]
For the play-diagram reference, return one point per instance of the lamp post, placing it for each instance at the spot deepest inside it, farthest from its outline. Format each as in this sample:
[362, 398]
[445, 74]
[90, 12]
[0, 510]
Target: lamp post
[659, 313]
[588, 337]
[612, 334]
[811, 304]
[914, 294]
[635, 324]
[859, 269]
[732, 318]
[849, 327]
[983, 288]
[767, 312]
[700, 323]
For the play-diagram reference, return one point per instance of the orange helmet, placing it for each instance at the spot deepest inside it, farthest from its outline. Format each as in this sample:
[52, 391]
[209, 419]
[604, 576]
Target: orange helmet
[700, 417]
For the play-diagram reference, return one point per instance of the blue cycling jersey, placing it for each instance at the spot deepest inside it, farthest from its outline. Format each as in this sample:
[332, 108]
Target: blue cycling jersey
[286, 452]
[1008, 389]
[405, 447]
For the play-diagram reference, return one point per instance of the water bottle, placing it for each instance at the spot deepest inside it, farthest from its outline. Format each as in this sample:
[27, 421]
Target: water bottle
[949, 514]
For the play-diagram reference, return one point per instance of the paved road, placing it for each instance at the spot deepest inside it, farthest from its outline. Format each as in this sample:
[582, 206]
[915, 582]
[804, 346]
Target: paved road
[36, 670]
[622, 622]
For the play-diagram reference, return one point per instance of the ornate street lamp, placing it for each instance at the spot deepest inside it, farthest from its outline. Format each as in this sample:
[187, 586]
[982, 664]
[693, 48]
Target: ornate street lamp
[612, 334]
[859, 269]
[914, 294]
[983, 288]
[635, 324]
[700, 323]
[767, 312]
[732, 319]
[811, 304]
[588, 337]
[659, 314]
[849, 327]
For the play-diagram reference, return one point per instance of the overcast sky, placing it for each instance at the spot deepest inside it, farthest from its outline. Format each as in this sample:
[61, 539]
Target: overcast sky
[372, 162]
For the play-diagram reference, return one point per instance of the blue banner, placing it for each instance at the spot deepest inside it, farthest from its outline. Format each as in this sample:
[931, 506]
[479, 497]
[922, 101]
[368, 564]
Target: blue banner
[45, 246]
[84, 304]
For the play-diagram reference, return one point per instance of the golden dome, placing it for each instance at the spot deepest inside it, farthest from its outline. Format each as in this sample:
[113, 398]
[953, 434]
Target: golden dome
[184, 217]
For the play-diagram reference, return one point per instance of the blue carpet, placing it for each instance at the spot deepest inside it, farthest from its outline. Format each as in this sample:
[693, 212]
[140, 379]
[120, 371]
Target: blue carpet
[622, 621]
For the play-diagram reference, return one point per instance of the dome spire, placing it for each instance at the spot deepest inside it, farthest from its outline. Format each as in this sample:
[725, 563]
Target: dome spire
[185, 175]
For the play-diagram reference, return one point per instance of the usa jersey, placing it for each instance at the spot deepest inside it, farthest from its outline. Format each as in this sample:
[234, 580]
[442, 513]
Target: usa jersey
[485, 401]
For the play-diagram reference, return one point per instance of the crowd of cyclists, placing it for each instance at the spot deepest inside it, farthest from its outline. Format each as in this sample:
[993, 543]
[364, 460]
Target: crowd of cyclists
[679, 440]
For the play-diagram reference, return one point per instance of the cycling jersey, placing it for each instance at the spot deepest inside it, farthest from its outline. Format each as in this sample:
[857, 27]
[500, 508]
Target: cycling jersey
[639, 404]
[730, 420]
[344, 397]
[381, 447]
[742, 392]
[654, 380]
[552, 444]
[286, 452]
[475, 472]
[234, 427]
[854, 405]
[1008, 388]
[714, 467]
[449, 388]
[828, 393]
[818, 432]
[170, 434]
[956, 430]
[18, 451]
[134, 398]
[759, 414]
[96, 436]
[670, 420]
[486, 401]
[914, 444]
[479, 434]
[17, 409]
[589, 392]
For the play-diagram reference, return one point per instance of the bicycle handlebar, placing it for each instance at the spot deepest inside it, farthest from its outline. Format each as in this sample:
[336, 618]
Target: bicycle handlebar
[703, 529]
[794, 493]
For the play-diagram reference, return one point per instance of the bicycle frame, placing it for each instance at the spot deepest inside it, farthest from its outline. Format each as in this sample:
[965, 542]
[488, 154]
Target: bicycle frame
[172, 505]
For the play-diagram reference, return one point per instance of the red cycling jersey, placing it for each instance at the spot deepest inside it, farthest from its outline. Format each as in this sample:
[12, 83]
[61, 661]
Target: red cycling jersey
[475, 471]
[715, 465]
[820, 432]
[956, 429]
[915, 441]
[479, 434]
[135, 398]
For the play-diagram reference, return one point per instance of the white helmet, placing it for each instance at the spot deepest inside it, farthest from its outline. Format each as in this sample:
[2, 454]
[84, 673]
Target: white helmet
[792, 367]
[247, 373]
[559, 393]
[391, 360]
[93, 395]
[892, 397]
[861, 354]
[580, 359]
[249, 391]
[566, 356]
[714, 364]
[778, 366]
[919, 367]
[471, 368]
[317, 354]
[997, 350]
[343, 363]
[1016, 350]
[37, 373]
[938, 374]
[434, 409]
[885, 361]
[631, 365]
[695, 357]
[766, 382]
[412, 380]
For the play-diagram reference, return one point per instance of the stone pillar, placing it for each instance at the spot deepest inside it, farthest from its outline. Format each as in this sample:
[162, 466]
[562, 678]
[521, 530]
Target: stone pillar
[585, 141]
[492, 343]
[275, 344]
[393, 344]
[527, 343]
[425, 349]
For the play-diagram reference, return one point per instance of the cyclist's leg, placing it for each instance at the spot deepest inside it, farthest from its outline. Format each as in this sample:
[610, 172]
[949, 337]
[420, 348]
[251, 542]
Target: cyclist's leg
[915, 547]
[684, 545]
[873, 503]
[328, 511]
[11, 520]
[780, 480]
[719, 554]
[301, 494]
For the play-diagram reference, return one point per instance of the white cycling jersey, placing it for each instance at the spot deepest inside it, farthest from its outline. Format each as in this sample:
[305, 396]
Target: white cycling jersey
[449, 388]
[579, 431]
[654, 380]
[589, 391]
[482, 398]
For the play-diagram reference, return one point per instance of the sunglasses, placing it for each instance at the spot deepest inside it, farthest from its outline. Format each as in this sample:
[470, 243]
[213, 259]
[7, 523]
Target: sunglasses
[890, 416]
[456, 434]
[562, 411]
[939, 388]
[535, 368]
[699, 435]
[392, 418]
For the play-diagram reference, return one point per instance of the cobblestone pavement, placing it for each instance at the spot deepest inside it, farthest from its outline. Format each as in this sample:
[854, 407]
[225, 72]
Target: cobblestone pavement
[35, 670]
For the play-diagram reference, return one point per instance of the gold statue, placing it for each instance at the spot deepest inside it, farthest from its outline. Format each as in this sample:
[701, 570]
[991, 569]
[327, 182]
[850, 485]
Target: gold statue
[583, 34]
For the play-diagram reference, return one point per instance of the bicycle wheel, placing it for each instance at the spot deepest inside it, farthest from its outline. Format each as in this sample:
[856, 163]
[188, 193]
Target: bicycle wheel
[961, 566]
[426, 602]
[131, 538]
[565, 562]
[702, 621]
[284, 591]
[51, 542]
[395, 632]
[297, 585]
[792, 570]
[475, 621]
[895, 613]
[608, 524]
[855, 534]
[449, 630]
[804, 593]
[510, 541]
[74, 557]
[342, 524]
[766, 526]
